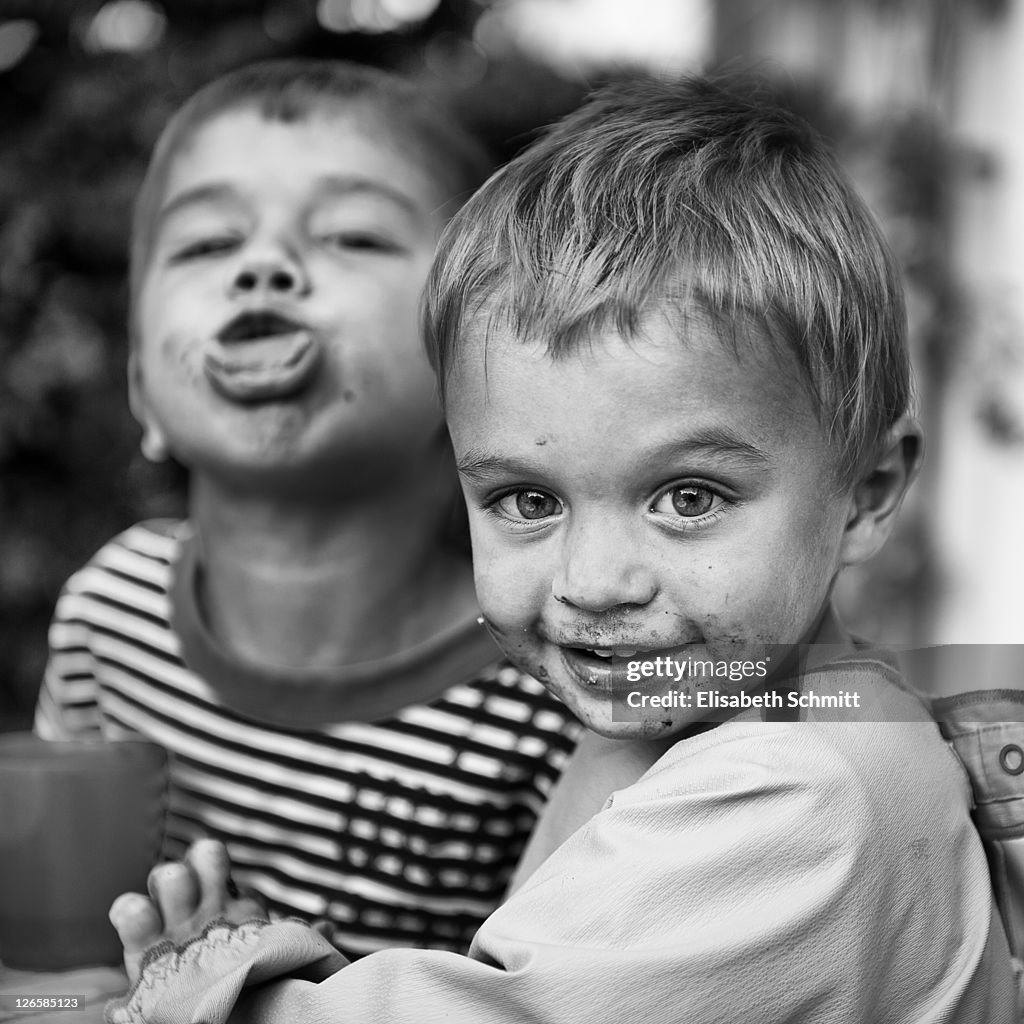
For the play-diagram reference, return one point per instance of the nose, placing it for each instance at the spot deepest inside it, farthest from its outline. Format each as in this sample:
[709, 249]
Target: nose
[272, 269]
[603, 567]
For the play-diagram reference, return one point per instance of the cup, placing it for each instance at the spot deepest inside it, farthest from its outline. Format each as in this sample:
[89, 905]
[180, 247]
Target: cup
[81, 822]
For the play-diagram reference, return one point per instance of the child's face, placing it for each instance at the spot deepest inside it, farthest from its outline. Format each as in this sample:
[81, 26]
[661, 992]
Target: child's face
[278, 317]
[638, 496]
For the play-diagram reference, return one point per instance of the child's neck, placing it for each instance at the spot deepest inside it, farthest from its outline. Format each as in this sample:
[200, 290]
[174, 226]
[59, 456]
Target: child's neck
[297, 587]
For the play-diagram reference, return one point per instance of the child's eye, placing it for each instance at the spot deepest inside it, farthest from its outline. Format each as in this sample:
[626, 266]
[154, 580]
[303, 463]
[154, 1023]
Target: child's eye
[688, 501]
[205, 247]
[528, 506]
[359, 241]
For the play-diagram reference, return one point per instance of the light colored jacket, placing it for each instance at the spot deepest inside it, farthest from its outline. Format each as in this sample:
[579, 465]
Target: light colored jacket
[819, 871]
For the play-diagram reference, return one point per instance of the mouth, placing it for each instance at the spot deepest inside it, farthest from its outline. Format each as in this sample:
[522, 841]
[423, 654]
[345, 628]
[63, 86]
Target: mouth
[610, 652]
[606, 667]
[611, 647]
[261, 355]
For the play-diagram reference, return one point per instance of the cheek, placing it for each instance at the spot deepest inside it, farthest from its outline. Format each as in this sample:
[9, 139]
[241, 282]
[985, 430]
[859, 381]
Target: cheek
[801, 576]
[388, 355]
[496, 588]
[172, 359]
[818, 543]
[396, 387]
[391, 301]
[769, 584]
[511, 586]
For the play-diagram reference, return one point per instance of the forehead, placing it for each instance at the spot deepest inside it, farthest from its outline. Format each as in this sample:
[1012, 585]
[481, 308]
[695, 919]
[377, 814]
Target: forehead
[614, 402]
[243, 151]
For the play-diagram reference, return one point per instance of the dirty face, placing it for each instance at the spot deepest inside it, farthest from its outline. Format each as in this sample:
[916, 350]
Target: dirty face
[640, 496]
[278, 316]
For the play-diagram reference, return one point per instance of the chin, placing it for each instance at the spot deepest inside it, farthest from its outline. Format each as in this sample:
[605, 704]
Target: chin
[635, 730]
[600, 717]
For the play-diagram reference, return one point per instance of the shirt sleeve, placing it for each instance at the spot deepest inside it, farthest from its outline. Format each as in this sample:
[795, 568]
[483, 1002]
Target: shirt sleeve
[765, 879]
[68, 703]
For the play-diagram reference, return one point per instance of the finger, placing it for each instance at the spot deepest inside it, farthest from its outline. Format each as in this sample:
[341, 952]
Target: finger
[175, 891]
[248, 907]
[211, 865]
[138, 925]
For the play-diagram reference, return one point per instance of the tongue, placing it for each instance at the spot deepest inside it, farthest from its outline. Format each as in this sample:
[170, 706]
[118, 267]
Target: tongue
[259, 353]
[274, 367]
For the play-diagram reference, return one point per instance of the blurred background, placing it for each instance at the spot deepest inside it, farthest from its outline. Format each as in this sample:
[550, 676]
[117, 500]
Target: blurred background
[922, 98]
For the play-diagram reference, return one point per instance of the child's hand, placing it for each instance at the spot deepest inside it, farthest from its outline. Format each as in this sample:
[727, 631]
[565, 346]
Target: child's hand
[184, 896]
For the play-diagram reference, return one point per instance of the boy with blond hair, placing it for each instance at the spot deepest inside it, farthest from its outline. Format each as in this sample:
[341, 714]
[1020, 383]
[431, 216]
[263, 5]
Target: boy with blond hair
[671, 343]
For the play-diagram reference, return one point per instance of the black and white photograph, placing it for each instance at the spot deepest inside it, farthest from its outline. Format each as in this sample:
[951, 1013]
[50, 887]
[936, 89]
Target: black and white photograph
[510, 511]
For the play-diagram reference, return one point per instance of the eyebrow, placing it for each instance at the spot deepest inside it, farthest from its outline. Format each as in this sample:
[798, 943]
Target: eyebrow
[712, 442]
[478, 463]
[328, 185]
[343, 184]
[213, 193]
[715, 443]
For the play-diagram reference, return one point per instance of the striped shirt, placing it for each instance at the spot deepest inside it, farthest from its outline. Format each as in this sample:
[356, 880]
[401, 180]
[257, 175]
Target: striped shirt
[400, 832]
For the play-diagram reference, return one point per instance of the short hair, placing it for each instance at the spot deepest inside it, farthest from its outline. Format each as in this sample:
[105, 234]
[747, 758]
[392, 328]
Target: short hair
[690, 192]
[293, 90]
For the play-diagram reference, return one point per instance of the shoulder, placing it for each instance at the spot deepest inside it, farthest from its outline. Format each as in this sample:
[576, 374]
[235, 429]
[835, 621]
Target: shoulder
[862, 760]
[817, 777]
[154, 540]
[855, 722]
[129, 577]
[145, 552]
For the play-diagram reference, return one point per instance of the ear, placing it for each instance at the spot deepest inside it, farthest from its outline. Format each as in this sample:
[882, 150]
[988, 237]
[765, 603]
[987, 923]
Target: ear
[154, 441]
[877, 497]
